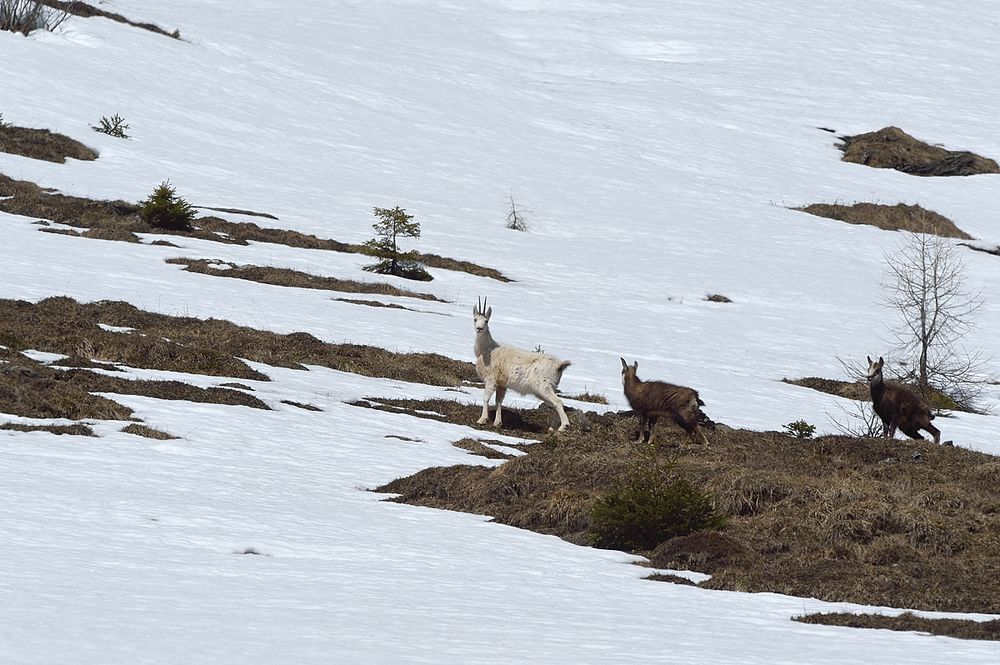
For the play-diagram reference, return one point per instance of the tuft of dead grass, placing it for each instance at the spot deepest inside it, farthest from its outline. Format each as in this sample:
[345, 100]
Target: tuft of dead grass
[892, 148]
[85, 10]
[477, 447]
[899, 217]
[76, 429]
[824, 517]
[590, 397]
[294, 278]
[42, 144]
[965, 629]
[147, 432]
[850, 389]
[170, 390]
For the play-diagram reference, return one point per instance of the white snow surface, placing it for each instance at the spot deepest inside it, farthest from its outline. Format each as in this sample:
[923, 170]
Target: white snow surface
[658, 146]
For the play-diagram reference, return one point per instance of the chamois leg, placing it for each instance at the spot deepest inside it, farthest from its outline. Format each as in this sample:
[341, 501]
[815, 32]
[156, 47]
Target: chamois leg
[548, 395]
[933, 431]
[501, 393]
[651, 423]
[699, 432]
[890, 430]
[913, 433]
[488, 390]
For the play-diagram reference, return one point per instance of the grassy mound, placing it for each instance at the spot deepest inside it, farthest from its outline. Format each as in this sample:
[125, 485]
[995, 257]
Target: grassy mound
[837, 518]
[42, 144]
[899, 217]
[210, 347]
[892, 148]
[907, 621]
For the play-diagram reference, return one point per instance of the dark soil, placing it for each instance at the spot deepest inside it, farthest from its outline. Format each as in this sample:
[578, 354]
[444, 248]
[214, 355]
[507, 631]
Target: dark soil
[892, 148]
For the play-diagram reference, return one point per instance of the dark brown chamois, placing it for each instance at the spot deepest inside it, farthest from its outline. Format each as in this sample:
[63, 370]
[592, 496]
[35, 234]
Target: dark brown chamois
[652, 400]
[899, 407]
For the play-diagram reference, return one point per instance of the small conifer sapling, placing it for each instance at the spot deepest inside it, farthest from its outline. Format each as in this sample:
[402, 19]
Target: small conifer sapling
[165, 210]
[392, 224]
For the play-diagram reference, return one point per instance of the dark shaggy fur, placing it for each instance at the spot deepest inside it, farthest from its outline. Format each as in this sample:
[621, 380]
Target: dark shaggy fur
[652, 400]
[899, 407]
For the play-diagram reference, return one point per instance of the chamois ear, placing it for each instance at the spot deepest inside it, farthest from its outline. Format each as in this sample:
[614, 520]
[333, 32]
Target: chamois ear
[880, 361]
[869, 360]
[635, 365]
[624, 364]
[489, 313]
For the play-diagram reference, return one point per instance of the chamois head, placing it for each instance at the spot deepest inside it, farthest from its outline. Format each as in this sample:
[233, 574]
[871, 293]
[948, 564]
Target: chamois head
[628, 371]
[874, 367]
[481, 315]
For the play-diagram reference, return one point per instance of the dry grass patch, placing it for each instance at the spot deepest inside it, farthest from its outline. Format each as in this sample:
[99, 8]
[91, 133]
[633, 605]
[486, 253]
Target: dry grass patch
[294, 278]
[892, 148]
[42, 144]
[76, 429]
[858, 390]
[590, 397]
[119, 220]
[170, 390]
[300, 405]
[479, 448]
[85, 10]
[899, 217]
[961, 628]
[829, 517]
[147, 432]
[202, 346]
[30, 389]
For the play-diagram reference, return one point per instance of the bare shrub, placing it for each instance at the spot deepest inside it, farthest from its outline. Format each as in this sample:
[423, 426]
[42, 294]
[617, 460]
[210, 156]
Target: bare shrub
[26, 16]
[516, 220]
[925, 284]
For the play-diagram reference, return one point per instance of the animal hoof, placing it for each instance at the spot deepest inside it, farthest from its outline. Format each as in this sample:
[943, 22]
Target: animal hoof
[481, 421]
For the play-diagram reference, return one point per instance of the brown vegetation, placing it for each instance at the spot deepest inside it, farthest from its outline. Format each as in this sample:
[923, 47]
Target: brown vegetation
[907, 621]
[899, 217]
[294, 278]
[197, 346]
[42, 144]
[837, 518]
[85, 10]
[76, 429]
[120, 220]
[148, 432]
[892, 148]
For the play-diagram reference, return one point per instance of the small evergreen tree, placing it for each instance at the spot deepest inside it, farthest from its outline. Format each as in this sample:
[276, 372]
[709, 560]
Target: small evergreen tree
[165, 210]
[392, 224]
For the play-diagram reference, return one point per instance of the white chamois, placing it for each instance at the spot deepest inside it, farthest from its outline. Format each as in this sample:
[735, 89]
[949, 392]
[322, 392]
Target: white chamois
[502, 367]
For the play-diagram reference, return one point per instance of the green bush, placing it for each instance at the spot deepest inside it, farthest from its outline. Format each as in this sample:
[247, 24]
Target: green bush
[651, 503]
[165, 210]
[800, 429]
[113, 126]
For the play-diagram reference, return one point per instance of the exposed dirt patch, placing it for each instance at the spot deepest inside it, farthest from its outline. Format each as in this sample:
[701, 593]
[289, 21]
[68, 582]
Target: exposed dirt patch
[899, 217]
[819, 517]
[892, 148]
[198, 346]
[42, 144]
[85, 10]
[147, 432]
[961, 628]
[717, 297]
[76, 429]
[294, 278]
[120, 220]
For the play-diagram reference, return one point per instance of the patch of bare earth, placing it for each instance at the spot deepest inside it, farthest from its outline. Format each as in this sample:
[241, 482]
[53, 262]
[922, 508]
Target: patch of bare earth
[899, 217]
[892, 148]
[120, 220]
[42, 144]
[836, 518]
[294, 278]
[907, 621]
[210, 347]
